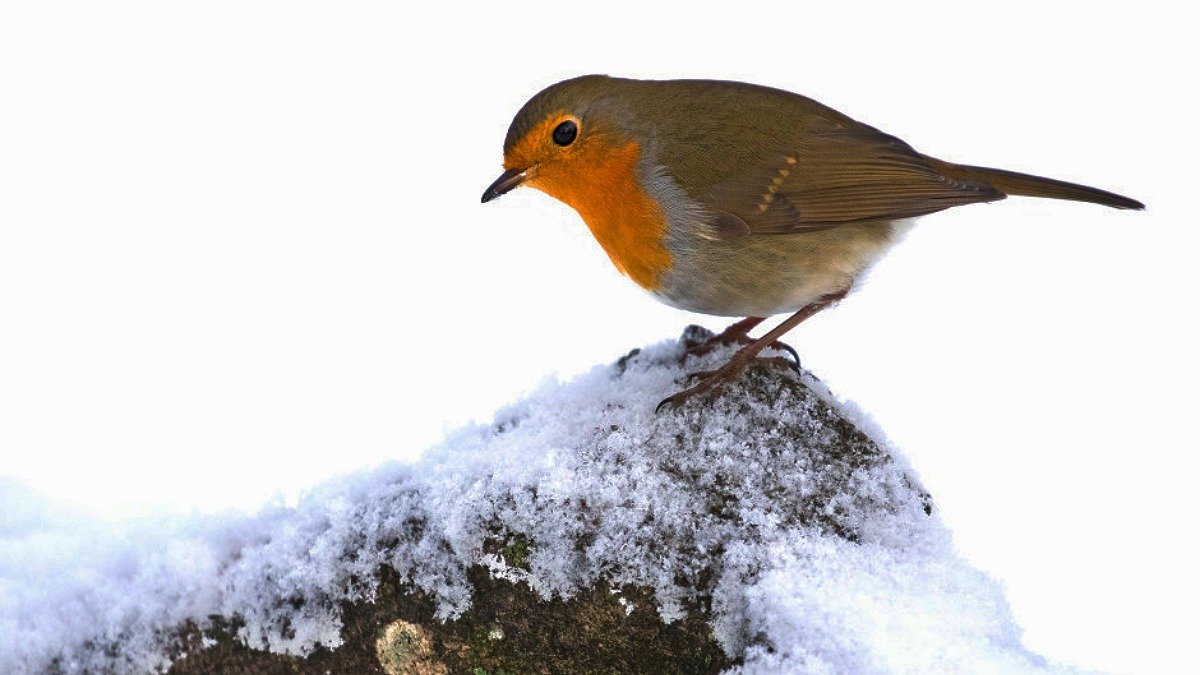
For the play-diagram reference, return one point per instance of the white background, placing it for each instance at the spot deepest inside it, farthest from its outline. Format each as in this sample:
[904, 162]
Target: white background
[242, 250]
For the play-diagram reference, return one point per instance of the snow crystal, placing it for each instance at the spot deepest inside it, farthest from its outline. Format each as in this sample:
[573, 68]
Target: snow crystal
[814, 541]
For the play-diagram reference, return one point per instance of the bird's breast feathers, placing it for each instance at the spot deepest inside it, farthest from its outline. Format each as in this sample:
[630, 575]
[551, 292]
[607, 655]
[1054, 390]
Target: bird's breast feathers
[629, 223]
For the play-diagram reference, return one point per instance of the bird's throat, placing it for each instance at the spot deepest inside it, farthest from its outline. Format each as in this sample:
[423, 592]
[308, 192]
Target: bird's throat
[604, 187]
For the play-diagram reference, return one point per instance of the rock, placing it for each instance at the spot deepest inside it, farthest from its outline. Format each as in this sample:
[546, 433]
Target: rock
[770, 529]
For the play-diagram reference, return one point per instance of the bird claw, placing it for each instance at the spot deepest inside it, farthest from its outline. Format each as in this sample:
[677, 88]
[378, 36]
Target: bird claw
[714, 379]
[782, 362]
[670, 400]
[785, 347]
[677, 399]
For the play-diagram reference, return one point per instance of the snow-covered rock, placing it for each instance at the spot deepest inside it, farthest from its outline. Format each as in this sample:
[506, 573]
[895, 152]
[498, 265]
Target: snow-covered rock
[772, 526]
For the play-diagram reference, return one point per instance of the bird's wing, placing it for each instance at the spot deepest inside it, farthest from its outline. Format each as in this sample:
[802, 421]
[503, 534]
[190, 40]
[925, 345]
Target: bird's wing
[835, 173]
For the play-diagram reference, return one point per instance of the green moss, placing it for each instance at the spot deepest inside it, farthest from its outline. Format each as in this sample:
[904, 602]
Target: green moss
[516, 552]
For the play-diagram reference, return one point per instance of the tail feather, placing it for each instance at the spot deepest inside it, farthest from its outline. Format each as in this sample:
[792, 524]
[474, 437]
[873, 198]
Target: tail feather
[1014, 183]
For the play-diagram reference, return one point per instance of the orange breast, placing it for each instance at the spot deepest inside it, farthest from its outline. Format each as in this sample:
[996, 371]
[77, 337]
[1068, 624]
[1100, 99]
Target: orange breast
[601, 183]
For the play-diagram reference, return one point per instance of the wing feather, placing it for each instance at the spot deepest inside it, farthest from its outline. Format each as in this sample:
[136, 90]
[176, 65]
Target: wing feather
[836, 173]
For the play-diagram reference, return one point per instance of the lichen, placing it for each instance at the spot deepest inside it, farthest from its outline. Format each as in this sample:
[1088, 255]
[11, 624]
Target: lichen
[405, 648]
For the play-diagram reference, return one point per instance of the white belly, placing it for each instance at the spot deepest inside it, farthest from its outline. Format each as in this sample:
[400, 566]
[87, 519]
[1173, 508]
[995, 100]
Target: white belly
[762, 275]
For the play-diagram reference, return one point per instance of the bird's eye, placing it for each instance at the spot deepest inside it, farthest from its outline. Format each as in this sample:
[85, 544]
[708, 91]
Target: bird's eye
[564, 134]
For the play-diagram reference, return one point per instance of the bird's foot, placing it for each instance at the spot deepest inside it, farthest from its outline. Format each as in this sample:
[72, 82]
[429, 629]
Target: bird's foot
[737, 334]
[748, 354]
[775, 361]
[713, 380]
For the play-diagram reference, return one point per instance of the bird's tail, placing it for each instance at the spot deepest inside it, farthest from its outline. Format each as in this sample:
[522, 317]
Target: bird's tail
[1013, 183]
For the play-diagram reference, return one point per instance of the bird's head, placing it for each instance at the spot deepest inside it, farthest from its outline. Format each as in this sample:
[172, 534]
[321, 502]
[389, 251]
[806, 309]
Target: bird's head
[568, 139]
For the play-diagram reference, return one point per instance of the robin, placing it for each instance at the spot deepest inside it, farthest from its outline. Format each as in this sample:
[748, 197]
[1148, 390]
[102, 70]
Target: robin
[739, 200]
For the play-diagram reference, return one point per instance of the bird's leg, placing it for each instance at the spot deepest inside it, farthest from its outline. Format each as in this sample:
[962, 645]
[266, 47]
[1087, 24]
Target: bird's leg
[732, 370]
[739, 334]
[737, 331]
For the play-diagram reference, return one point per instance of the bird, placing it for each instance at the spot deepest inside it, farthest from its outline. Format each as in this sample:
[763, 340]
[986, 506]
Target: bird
[736, 199]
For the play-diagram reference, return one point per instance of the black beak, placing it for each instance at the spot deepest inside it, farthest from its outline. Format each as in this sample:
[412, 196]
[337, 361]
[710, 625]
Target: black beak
[507, 181]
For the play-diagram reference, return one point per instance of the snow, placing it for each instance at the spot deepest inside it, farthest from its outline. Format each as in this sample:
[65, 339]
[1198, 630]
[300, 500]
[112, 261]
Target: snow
[825, 554]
